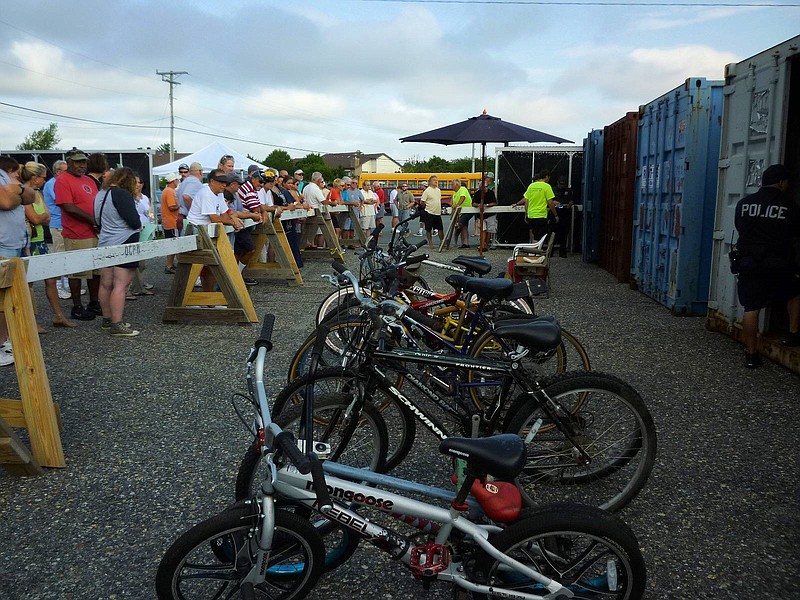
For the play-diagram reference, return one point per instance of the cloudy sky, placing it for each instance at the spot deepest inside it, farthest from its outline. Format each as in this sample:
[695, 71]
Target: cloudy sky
[336, 76]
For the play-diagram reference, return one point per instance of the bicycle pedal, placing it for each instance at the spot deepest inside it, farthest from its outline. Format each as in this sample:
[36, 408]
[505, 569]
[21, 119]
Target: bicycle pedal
[429, 560]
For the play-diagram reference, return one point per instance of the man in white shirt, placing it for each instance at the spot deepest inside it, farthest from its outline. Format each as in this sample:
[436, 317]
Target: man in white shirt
[187, 190]
[315, 197]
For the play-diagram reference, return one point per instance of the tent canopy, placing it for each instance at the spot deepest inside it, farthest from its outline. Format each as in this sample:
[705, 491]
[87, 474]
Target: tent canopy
[209, 158]
[481, 130]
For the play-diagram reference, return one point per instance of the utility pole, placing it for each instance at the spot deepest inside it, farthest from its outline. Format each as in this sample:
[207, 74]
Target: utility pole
[171, 78]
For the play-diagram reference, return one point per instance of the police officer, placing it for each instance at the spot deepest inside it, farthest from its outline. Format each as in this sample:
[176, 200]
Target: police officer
[766, 222]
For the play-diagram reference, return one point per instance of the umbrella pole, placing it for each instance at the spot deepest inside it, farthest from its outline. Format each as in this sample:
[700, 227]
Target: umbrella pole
[483, 195]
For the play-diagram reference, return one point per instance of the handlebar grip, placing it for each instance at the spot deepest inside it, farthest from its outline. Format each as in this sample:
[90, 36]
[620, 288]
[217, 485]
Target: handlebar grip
[318, 484]
[265, 339]
[373, 243]
[339, 267]
[422, 244]
[285, 440]
[413, 260]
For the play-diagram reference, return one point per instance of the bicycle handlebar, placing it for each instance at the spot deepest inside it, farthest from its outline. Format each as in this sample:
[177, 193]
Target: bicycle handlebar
[265, 339]
[305, 463]
[373, 243]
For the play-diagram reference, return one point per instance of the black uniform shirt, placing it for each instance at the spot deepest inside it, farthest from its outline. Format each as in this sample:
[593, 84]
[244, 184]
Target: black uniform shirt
[766, 222]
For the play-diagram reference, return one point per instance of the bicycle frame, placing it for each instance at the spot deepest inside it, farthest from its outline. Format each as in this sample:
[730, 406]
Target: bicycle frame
[290, 484]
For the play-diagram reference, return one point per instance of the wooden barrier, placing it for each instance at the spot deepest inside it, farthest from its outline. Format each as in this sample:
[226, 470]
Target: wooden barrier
[215, 252]
[285, 267]
[475, 210]
[320, 220]
[349, 211]
[35, 410]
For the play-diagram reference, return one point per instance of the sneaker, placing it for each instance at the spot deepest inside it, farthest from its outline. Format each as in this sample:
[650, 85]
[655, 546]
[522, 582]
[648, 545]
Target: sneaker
[435, 232]
[64, 294]
[106, 324]
[752, 361]
[94, 307]
[6, 346]
[420, 233]
[6, 358]
[123, 330]
[81, 314]
[148, 286]
[248, 281]
[792, 339]
[83, 292]
[169, 270]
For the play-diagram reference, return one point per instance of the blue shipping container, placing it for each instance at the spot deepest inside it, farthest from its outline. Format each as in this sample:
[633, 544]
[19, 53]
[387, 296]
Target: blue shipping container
[677, 156]
[592, 192]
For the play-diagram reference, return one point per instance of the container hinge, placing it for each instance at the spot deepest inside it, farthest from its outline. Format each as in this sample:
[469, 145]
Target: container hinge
[724, 163]
[719, 234]
[713, 304]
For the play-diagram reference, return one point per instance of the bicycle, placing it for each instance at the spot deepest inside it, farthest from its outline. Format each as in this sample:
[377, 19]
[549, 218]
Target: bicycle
[482, 543]
[589, 435]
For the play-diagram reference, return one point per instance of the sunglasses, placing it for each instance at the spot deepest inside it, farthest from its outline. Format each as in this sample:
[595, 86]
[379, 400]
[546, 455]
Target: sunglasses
[183, 172]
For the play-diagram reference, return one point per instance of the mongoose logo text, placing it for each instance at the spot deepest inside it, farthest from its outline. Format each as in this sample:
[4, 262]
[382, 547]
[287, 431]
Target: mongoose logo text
[358, 497]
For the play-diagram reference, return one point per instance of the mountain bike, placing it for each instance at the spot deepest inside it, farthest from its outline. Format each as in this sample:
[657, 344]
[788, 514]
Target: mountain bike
[478, 539]
[590, 437]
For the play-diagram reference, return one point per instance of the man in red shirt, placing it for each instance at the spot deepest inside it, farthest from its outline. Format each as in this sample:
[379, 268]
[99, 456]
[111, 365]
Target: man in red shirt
[75, 192]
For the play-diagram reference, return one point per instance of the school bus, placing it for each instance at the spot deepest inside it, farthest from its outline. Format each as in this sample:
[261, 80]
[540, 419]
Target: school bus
[415, 181]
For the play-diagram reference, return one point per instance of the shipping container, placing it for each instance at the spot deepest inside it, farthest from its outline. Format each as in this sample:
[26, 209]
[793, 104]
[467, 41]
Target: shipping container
[676, 193]
[515, 167]
[619, 188]
[761, 126]
[592, 187]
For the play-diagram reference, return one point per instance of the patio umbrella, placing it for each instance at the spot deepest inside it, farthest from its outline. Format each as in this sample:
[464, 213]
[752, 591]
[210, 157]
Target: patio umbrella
[482, 130]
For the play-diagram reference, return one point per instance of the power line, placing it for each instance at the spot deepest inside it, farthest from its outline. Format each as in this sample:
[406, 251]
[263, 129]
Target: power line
[187, 130]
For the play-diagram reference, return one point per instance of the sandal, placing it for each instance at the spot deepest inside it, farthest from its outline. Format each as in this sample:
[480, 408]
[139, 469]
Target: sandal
[41, 329]
[144, 293]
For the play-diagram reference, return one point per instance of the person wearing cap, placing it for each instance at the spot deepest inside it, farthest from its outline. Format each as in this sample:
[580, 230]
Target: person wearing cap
[768, 224]
[298, 177]
[540, 199]
[462, 199]
[75, 193]
[405, 202]
[187, 190]
[183, 171]
[169, 215]
[242, 240]
[490, 186]
[485, 196]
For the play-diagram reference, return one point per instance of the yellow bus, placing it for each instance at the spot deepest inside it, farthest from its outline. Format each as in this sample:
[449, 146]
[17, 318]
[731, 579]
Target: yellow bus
[415, 181]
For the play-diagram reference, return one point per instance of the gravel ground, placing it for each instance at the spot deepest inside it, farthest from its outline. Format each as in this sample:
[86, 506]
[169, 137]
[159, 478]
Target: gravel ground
[153, 446]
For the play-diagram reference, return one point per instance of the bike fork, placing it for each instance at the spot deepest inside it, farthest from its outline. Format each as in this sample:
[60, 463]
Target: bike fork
[263, 534]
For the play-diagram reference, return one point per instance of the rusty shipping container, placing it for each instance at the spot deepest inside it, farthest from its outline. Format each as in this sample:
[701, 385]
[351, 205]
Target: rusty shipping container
[619, 194]
[761, 126]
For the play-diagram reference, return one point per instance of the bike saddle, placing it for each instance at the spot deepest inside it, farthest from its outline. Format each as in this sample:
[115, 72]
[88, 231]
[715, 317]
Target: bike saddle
[540, 333]
[485, 289]
[501, 456]
[473, 264]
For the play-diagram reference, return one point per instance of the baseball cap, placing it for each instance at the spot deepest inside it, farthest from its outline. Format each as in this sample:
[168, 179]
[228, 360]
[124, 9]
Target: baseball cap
[490, 175]
[172, 177]
[233, 177]
[299, 172]
[253, 168]
[75, 154]
[183, 166]
[775, 174]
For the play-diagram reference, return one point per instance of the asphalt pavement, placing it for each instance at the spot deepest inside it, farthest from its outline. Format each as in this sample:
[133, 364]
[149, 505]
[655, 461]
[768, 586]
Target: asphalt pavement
[153, 445]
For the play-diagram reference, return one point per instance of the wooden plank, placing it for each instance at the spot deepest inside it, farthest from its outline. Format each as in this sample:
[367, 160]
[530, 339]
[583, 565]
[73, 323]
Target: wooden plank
[197, 257]
[6, 274]
[14, 456]
[205, 298]
[75, 261]
[180, 314]
[34, 387]
[11, 412]
[230, 281]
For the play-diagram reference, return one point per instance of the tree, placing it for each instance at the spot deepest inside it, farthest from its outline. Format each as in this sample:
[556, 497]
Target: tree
[313, 162]
[280, 160]
[163, 148]
[41, 139]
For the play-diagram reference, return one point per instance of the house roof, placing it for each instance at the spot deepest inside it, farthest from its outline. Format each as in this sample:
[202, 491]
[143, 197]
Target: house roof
[347, 160]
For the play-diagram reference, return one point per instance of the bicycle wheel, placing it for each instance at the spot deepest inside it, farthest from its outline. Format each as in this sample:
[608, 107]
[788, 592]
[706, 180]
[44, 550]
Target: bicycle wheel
[612, 426]
[340, 297]
[340, 542]
[341, 344]
[345, 386]
[588, 551]
[211, 559]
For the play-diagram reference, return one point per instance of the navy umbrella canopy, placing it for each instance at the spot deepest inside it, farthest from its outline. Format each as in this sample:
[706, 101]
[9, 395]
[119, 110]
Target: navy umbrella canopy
[481, 130]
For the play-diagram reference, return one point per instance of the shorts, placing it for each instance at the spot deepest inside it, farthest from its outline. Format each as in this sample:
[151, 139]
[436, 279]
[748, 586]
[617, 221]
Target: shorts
[58, 240]
[170, 233]
[464, 220]
[434, 222]
[395, 210]
[6, 252]
[539, 227]
[243, 241]
[757, 292]
[405, 213]
[84, 244]
[336, 221]
[367, 222]
[39, 248]
[490, 224]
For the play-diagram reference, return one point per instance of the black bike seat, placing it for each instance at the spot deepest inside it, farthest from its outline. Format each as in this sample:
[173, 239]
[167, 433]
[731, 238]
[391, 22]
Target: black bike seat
[473, 264]
[540, 333]
[501, 456]
[486, 289]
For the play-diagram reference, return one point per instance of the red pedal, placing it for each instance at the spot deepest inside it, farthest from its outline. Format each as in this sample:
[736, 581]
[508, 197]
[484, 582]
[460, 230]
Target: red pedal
[428, 560]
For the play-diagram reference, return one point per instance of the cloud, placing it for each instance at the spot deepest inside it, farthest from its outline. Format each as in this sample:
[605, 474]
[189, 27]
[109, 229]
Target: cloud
[693, 16]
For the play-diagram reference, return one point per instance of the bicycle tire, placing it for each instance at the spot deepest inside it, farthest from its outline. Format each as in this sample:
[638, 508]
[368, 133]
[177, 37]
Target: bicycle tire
[340, 542]
[341, 334]
[612, 425]
[587, 550]
[339, 382]
[296, 560]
